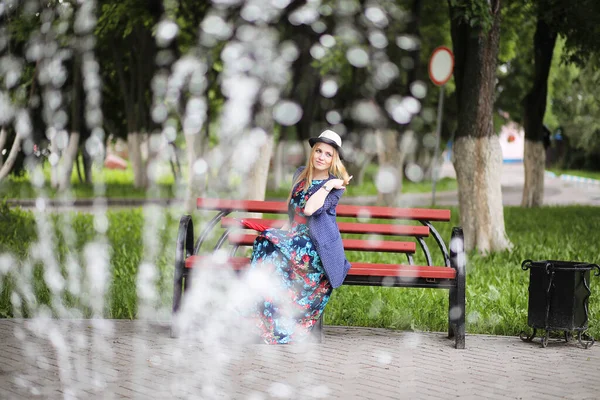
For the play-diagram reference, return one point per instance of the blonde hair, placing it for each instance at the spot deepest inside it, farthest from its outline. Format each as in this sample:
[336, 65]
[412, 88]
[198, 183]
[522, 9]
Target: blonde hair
[336, 169]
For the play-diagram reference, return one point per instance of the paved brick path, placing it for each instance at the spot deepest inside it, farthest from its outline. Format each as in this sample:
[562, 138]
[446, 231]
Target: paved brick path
[103, 359]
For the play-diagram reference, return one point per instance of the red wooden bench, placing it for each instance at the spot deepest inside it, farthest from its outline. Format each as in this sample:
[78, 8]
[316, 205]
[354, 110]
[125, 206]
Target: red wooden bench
[450, 275]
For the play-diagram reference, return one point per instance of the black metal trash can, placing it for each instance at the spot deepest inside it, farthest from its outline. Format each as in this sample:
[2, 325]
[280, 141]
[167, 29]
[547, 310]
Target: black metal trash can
[558, 298]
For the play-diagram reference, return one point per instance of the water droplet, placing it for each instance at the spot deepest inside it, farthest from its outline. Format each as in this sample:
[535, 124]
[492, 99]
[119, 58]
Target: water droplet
[333, 117]
[457, 245]
[270, 96]
[100, 223]
[357, 57]
[53, 159]
[289, 51]
[366, 112]
[280, 390]
[166, 31]
[363, 215]
[388, 281]
[374, 240]
[329, 87]
[94, 146]
[28, 146]
[40, 204]
[407, 42]
[429, 140]
[327, 41]
[61, 139]
[23, 124]
[401, 115]
[251, 12]
[455, 313]
[414, 172]
[473, 317]
[317, 51]
[386, 180]
[320, 392]
[418, 89]
[37, 178]
[377, 16]
[383, 357]
[411, 105]
[318, 26]
[287, 113]
[200, 167]
[281, 4]
[216, 26]
[159, 113]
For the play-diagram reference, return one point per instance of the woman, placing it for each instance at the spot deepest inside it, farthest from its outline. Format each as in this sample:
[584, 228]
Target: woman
[307, 261]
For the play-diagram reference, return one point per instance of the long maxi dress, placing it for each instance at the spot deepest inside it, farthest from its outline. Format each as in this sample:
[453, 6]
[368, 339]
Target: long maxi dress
[287, 313]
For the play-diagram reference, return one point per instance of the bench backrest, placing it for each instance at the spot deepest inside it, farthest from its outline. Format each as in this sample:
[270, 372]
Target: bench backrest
[361, 213]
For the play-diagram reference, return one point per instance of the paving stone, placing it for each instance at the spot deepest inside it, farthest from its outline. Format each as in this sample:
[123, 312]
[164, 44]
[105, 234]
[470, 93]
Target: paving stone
[138, 360]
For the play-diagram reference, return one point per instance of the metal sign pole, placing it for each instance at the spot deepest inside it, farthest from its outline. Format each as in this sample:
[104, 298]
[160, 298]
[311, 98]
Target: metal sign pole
[438, 134]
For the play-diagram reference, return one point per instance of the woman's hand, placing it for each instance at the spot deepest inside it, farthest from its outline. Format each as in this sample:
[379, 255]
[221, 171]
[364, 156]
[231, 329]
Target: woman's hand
[336, 183]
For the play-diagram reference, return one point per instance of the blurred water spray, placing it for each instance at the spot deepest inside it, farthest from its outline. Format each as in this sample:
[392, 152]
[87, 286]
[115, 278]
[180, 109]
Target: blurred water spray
[256, 62]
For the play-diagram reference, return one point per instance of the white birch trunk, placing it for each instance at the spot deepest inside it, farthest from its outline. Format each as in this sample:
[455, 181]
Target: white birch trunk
[196, 173]
[387, 155]
[12, 157]
[534, 160]
[134, 147]
[278, 170]
[68, 158]
[54, 159]
[3, 137]
[259, 173]
[362, 169]
[478, 164]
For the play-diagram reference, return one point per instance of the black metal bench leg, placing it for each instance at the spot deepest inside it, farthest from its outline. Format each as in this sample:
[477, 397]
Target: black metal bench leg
[457, 295]
[459, 326]
[317, 331]
[451, 304]
[181, 279]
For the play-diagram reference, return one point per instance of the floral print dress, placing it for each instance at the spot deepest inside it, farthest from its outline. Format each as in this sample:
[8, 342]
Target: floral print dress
[288, 311]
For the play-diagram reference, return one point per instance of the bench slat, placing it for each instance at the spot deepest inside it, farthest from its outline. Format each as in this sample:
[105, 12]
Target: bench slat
[280, 207]
[358, 269]
[349, 244]
[345, 227]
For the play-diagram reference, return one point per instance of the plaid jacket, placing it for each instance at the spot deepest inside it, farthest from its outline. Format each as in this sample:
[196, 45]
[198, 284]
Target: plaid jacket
[325, 234]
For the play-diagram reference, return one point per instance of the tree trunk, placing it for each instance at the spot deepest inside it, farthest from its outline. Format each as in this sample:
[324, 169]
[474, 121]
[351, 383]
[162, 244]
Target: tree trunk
[87, 165]
[3, 137]
[477, 154]
[362, 169]
[278, 161]
[54, 164]
[535, 162]
[134, 148]
[389, 180]
[197, 173]
[478, 164]
[79, 172]
[257, 179]
[69, 157]
[12, 157]
[534, 158]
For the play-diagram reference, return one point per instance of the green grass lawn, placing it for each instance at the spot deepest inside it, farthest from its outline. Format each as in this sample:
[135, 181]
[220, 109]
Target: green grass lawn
[114, 183]
[119, 184]
[496, 286]
[584, 174]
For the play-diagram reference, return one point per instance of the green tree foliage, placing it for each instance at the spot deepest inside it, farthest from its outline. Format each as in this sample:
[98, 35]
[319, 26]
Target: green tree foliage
[577, 107]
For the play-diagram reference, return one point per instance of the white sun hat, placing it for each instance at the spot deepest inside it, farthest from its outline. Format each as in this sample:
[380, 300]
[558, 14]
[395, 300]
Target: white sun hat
[331, 138]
